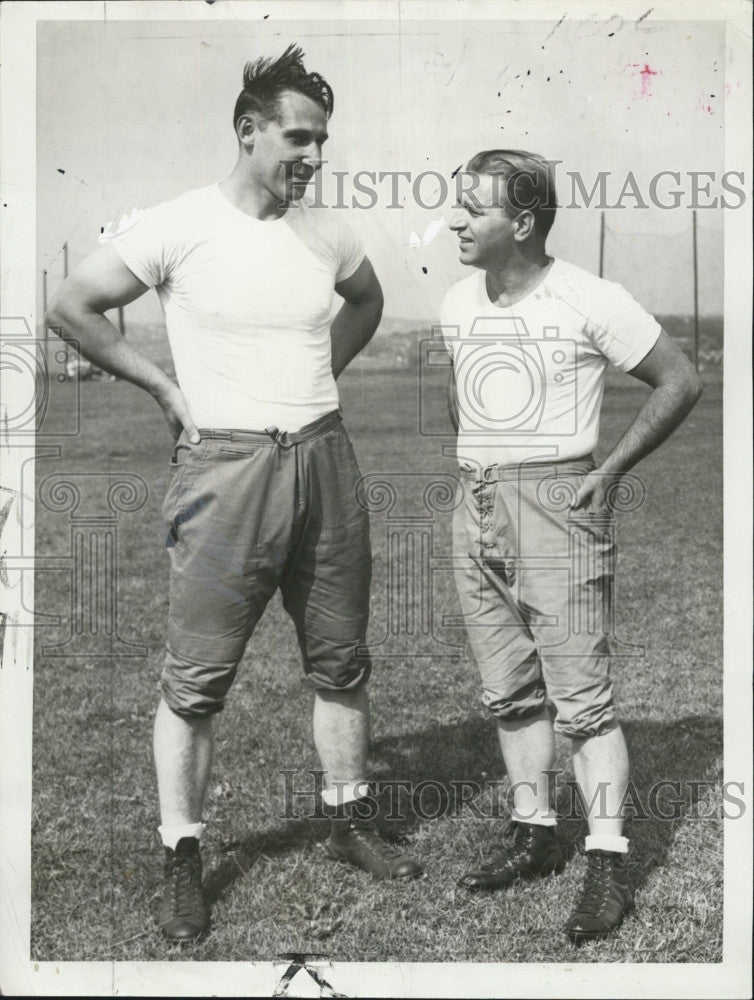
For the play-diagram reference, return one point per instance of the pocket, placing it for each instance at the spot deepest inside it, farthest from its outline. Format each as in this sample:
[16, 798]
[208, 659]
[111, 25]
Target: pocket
[600, 528]
[178, 457]
[176, 471]
[336, 478]
[238, 450]
[184, 457]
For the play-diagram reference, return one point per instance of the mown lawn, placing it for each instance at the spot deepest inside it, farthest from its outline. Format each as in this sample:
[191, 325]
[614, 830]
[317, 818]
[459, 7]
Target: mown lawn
[96, 861]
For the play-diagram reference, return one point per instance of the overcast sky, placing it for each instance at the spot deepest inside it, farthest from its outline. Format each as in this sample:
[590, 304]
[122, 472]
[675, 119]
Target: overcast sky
[136, 112]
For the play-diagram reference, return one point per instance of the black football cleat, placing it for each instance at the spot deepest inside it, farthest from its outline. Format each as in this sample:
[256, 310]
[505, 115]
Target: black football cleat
[605, 900]
[183, 914]
[535, 852]
[364, 848]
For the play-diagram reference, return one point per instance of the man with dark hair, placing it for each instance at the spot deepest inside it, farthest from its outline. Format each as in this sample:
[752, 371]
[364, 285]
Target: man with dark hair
[263, 476]
[265, 79]
[530, 339]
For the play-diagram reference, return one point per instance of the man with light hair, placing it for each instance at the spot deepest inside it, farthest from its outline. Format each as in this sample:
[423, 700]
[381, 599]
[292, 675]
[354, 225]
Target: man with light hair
[530, 339]
[263, 475]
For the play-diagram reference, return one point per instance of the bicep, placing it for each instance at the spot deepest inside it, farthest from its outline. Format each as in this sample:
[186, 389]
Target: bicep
[101, 282]
[665, 363]
[362, 286]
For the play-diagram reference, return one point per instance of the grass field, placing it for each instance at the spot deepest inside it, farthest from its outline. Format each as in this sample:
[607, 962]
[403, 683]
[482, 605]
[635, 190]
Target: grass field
[96, 862]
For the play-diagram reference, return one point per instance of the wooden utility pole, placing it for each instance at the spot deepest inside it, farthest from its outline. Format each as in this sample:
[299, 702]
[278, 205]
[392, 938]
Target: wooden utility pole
[696, 295]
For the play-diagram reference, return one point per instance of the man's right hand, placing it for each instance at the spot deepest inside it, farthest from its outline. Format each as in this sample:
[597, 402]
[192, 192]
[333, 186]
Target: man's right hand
[173, 405]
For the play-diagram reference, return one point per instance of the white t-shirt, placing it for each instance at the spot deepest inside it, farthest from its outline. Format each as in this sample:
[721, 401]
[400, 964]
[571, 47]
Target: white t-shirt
[530, 376]
[247, 305]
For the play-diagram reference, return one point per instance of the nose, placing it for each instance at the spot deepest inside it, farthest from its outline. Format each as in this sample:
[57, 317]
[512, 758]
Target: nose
[313, 156]
[457, 221]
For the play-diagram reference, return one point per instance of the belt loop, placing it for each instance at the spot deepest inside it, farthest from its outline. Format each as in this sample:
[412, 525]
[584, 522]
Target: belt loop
[274, 433]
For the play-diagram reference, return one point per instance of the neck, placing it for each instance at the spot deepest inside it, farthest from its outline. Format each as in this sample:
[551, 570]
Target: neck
[516, 275]
[245, 192]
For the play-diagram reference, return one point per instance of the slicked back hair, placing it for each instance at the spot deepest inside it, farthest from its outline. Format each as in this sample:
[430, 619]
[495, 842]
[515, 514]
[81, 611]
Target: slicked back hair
[528, 183]
[264, 80]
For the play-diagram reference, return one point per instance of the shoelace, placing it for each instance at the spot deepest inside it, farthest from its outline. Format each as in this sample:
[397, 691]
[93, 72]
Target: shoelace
[597, 882]
[514, 858]
[370, 839]
[185, 875]
[510, 859]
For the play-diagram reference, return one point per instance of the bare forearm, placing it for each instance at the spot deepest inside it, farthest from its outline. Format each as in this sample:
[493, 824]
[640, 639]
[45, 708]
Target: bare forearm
[453, 402]
[351, 331]
[665, 408]
[100, 343]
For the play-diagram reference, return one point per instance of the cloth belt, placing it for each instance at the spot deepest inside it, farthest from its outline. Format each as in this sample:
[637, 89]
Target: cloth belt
[526, 470]
[286, 439]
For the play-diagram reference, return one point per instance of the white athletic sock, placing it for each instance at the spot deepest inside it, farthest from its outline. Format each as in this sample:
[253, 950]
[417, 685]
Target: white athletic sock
[605, 842]
[541, 819]
[345, 791]
[172, 834]
[535, 816]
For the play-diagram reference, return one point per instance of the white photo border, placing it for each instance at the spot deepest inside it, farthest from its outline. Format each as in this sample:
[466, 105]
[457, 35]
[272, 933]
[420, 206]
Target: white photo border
[20, 975]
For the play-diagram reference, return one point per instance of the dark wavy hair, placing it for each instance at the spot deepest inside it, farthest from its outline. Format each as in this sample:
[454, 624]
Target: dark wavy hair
[265, 79]
[529, 183]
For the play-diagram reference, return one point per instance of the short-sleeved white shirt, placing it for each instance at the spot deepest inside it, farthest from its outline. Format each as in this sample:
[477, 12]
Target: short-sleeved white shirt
[247, 305]
[530, 376]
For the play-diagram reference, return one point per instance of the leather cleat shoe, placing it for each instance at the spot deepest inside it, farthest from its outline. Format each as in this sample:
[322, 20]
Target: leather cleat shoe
[535, 852]
[605, 899]
[183, 914]
[364, 848]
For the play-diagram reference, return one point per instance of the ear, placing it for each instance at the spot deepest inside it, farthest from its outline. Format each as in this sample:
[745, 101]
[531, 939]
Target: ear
[246, 132]
[523, 226]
